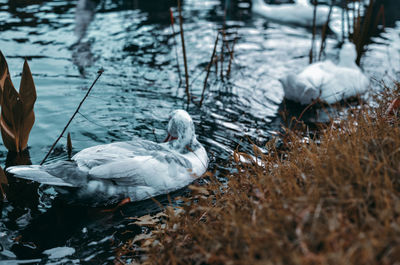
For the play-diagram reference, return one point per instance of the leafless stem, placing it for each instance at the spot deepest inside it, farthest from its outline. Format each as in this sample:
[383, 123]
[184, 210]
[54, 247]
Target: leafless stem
[184, 52]
[69, 146]
[231, 56]
[314, 29]
[208, 69]
[175, 45]
[99, 73]
[323, 37]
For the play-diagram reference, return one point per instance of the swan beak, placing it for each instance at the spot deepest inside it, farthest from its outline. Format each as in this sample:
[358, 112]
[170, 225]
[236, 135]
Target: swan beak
[169, 138]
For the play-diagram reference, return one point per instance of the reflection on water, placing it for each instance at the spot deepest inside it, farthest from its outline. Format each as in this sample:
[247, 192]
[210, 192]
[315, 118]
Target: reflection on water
[67, 41]
[82, 55]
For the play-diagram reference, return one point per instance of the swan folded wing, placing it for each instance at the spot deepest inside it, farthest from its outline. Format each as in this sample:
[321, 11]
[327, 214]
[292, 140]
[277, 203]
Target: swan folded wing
[345, 83]
[37, 174]
[140, 170]
[102, 154]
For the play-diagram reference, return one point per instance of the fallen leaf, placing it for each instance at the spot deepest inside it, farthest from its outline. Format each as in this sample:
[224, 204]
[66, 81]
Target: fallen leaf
[393, 107]
[141, 237]
[199, 189]
[146, 220]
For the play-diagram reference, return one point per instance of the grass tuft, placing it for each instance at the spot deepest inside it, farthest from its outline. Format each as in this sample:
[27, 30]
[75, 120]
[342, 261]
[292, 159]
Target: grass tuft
[334, 199]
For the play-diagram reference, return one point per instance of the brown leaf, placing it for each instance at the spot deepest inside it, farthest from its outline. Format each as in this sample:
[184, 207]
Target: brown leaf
[3, 180]
[11, 113]
[146, 220]
[27, 92]
[17, 116]
[141, 237]
[27, 89]
[199, 189]
[3, 73]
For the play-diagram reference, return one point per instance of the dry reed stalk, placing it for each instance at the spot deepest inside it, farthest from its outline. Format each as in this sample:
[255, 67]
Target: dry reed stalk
[231, 53]
[208, 69]
[324, 29]
[69, 146]
[99, 73]
[184, 52]
[314, 30]
[348, 18]
[223, 42]
[380, 17]
[222, 54]
[363, 31]
[333, 199]
[175, 46]
[343, 23]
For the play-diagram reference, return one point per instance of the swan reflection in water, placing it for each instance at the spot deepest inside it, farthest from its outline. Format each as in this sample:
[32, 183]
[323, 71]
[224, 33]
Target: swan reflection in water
[82, 55]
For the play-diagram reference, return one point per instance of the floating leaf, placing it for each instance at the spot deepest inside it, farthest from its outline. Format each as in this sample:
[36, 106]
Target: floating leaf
[17, 116]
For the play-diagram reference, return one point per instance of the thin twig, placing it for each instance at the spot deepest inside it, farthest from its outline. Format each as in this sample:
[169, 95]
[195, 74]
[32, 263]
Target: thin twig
[208, 69]
[184, 52]
[176, 46]
[99, 73]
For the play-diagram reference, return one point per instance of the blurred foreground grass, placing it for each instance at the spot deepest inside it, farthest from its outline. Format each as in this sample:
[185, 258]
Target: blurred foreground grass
[333, 199]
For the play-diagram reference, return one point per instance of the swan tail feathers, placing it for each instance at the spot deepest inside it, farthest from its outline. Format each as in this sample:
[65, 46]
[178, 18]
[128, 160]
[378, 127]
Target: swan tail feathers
[38, 174]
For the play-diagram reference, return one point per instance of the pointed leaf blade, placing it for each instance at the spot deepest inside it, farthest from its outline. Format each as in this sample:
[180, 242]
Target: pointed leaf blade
[25, 128]
[27, 92]
[3, 73]
[11, 114]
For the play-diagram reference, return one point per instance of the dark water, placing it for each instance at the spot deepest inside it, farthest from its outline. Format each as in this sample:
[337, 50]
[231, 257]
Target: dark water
[66, 42]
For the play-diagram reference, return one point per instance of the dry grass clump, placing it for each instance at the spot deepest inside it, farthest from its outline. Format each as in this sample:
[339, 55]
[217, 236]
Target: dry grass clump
[331, 200]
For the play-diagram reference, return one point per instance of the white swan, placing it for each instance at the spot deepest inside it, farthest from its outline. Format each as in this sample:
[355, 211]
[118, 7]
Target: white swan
[327, 81]
[300, 13]
[137, 169]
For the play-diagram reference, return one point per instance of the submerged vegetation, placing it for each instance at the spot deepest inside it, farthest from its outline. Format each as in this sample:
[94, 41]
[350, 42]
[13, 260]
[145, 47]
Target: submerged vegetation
[329, 199]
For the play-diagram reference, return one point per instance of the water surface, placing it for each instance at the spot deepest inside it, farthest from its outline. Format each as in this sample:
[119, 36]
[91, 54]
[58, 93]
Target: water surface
[66, 42]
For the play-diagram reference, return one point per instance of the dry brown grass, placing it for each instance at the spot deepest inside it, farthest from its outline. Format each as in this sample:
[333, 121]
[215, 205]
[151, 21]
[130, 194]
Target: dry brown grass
[335, 200]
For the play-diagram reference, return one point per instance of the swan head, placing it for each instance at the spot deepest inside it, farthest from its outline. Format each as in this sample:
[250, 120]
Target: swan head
[181, 133]
[348, 54]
